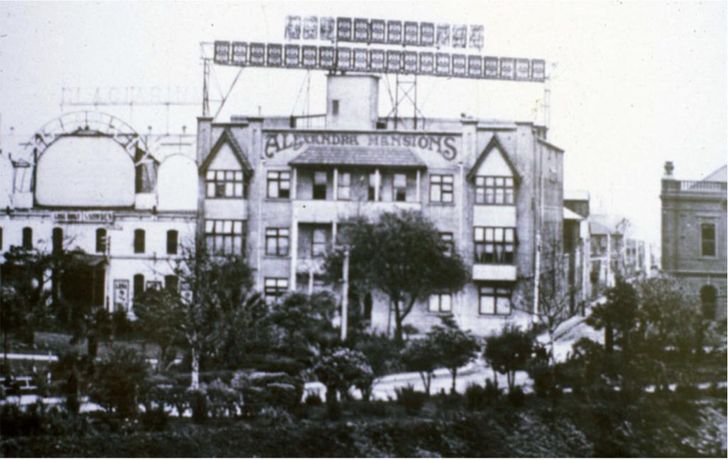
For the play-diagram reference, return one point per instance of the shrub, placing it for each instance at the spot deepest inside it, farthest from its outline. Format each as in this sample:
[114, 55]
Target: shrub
[154, 419]
[120, 324]
[312, 399]
[516, 396]
[223, 401]
[118, 381]
[267, 389]
[198, 403]
[411, 400]
[340, 369]
[479, 398]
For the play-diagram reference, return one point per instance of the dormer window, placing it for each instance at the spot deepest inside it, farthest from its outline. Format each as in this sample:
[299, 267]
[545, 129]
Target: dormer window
[224, 184]
[494, 190]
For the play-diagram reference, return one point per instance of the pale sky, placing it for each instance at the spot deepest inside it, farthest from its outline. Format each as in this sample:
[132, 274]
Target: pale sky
[636, 83]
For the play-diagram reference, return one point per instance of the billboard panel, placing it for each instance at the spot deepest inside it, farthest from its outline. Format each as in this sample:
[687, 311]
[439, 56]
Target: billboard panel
[411, 33]
[442, 64]
[343, 58]
[459, 65]
[459, 36]
[240, 53]
[292, 55]
[310, 28]
[477, 37]
[310, 56]
[410, 62]
[275, 55]
[293, 28]
[257, 54]
[427, 34]
[377, 31]
[394, 32]
[361, 30]
[475, 67]
[343, 29]
[490, 67]
[507, 68]
[442, 39]
[523, 69]
[538, 70]
[222, 52]
[394, 61]
[326, 57]
[377, 60]
[327, 28]
[360, 59]
[427, 63]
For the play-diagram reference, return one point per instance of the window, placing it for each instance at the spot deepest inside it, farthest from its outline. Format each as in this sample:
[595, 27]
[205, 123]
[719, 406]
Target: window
[707, 240]
[225, 184]
[319, 185]
[400, 187]
[344, 186]
[371, 192]
[494, 300]
[441, 188]
[318, 245]
[279, 184]
[139, 241]
[334, 106]
[172, 241]
[101, 240]
[276, 241]
[57, 240]
[27, 238]
[171, 283]
[440, 303]
[493, 190]
[274, 288]
[708, 296]
[494, 245]
[1, 237]
[447, 238]
[138, 285]
[224, 236]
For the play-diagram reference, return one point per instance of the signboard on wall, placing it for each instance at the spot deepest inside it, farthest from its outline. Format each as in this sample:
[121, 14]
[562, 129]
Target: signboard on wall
[121, 295]
[83, 217]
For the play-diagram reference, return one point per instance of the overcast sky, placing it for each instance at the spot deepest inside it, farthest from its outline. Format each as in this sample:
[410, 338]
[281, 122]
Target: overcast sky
[636, 83]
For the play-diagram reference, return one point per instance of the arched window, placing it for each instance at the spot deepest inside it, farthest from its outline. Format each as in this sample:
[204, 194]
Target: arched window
[172, 237]
[138, 285]
[708, 296]
[101, 240]
[27, 238]
[57, 240]
[139, 241]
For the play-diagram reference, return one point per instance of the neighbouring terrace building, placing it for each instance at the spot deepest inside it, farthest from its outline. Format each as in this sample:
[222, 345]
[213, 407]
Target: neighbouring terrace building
[89, 181]
[280, 192]
[694, 236]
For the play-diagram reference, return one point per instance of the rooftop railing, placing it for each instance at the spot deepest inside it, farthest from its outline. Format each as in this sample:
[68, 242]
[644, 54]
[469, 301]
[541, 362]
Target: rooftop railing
[693, 186]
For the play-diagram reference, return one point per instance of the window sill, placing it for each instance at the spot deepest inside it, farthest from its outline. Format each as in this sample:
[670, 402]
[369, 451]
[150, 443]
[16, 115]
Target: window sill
[275, 257]
[494, 204]
[494, 315]
[278, 200]
[442, 203]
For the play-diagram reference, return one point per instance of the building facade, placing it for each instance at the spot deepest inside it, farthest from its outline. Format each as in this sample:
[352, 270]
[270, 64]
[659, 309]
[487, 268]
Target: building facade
[279, 193]
[694, 236]
[88, 181]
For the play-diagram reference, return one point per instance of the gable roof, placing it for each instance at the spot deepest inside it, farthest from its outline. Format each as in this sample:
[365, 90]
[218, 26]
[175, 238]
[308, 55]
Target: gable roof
[494, 143]
[719, 175]
[227, 138]
[323, 155]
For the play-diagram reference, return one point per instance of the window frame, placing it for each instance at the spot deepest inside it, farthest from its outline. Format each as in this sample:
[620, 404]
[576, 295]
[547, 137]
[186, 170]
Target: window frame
[506, 190]
[449, 239]
[137, 282]
[27, 238]
[399, 188]
[57, 240]
[317, 187]
[274, 288]
[277, 179]
[711, 241]
[480, 255]
[498, 292]
[215, 229]
[440, 183]
[440, 309]
[101, 236]
[275, 234]
[140, 244]
[225, 184]
[318, 248]
[174, 247]
[341, 186]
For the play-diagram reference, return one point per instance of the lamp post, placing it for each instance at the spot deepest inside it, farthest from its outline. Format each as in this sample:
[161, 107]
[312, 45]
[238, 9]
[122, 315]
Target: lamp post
[345, 294]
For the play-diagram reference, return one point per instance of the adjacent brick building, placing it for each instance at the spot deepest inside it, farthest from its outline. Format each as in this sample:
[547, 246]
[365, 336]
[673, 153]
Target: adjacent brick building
[694, 236]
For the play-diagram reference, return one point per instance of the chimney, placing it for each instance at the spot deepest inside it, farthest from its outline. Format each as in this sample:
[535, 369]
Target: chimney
[204, 138]
[669, 167]
[352, 101]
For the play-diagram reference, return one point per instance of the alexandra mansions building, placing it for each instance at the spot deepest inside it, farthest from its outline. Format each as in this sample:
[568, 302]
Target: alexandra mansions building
[279, 193]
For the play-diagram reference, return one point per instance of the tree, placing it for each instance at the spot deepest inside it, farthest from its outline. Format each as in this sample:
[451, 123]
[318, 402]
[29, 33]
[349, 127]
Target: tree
[453, 347]
[508, 352]
[382, 352]
[158, 313]
[419, 356]
[212, 288]
[339, 369]
[618, 316]
[403, 256]
[118, 381]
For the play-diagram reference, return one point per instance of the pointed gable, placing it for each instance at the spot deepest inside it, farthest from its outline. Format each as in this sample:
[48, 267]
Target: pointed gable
[494, 147]
[227, 139]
